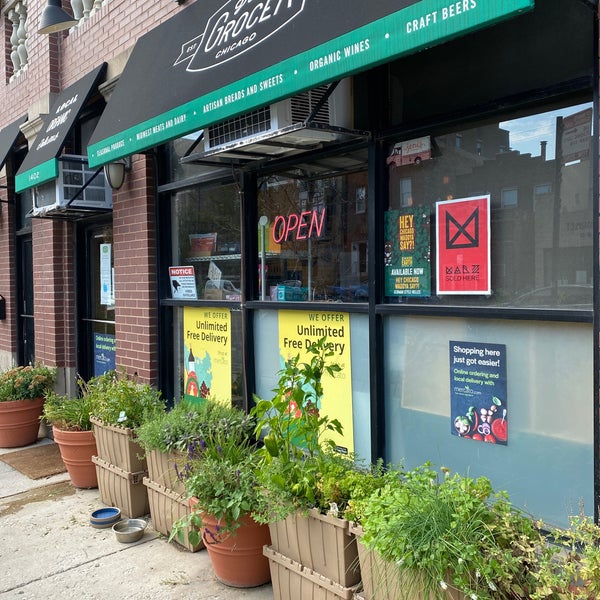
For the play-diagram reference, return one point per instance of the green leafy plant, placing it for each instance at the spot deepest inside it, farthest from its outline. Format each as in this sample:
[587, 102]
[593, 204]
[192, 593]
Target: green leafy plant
[116, 399]
[187, 423]
[26, 383]
[344, 485]
[453, 532]
[570, 567]
[220, 473]
[68, 414]
[295, 444]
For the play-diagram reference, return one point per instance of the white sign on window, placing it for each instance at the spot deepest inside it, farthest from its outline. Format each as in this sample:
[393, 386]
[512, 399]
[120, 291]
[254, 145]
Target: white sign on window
[107, 296]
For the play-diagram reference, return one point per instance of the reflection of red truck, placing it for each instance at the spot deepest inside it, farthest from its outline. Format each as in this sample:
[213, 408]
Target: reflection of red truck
[410, 152]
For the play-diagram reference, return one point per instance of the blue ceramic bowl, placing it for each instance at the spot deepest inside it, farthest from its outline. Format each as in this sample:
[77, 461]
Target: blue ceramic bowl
[105, 517]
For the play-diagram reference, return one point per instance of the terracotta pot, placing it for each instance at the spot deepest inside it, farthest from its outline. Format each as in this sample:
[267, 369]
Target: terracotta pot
[76, 450]
[237, 558]
[20, 422]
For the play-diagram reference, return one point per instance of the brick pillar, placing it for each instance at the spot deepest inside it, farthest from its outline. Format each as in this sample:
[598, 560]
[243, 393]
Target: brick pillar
[54, 292]
[136, 308]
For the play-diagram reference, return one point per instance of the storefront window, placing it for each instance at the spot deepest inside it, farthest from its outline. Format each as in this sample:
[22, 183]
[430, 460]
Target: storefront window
[207, 361]
[206, 235]
[207, 338]
[315, 238]
[503, 218]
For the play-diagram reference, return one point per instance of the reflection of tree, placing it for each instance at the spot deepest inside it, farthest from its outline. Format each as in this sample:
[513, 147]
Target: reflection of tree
[206, 210]
[323, 262]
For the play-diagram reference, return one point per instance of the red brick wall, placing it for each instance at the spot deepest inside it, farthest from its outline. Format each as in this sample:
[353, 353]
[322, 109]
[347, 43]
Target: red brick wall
[134, 235]
[55, 62]
[58, 60]
[53, 291]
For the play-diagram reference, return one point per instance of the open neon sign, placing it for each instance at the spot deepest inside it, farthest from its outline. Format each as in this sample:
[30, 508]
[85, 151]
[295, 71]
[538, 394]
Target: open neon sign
[298, 226]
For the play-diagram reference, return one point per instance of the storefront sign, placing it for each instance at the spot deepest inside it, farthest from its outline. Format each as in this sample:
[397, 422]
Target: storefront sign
[463, 246]
[407, 253]
[207, 354]
[183, 283]
[478, 407]
[40, 164]
[105, 352]
[217, 59]
[299, 226]
[297, 331]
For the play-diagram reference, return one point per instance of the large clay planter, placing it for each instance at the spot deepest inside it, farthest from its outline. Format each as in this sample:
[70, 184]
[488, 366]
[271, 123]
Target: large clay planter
[237, 558]
[76, 450]
[20, 422]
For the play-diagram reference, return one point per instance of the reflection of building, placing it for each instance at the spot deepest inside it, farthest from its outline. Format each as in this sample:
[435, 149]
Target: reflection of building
[464, 90]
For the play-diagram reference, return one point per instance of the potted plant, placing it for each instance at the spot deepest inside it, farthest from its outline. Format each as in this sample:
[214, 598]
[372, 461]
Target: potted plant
[22, 394]
[166, 437]
[293, 461]
[448, 536]
[570, 567]
[118, 404]
[72, 431]
[220, 479]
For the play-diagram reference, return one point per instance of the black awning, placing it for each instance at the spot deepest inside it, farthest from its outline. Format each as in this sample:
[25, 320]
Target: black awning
[216, 59]
[40, 164]
[8, 137]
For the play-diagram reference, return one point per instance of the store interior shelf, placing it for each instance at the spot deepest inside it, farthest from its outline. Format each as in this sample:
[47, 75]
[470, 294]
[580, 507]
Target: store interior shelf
[194, 259]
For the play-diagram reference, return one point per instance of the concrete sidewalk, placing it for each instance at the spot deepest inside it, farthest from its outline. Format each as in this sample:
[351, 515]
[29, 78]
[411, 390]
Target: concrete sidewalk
[49, 550]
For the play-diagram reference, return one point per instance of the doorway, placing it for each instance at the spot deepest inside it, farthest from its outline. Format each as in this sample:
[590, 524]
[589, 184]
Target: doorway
[96, 300]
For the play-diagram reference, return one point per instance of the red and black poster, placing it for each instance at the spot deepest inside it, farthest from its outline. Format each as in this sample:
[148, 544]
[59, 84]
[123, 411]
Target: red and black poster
[463, 246]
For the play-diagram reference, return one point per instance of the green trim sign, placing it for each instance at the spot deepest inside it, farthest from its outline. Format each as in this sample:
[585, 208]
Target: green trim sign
[40, 164]
[213, 61]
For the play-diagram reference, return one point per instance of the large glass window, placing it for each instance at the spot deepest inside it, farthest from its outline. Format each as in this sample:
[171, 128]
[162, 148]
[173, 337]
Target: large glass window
[207, 339]
[206, 235]
[536, 171]
[313, 238]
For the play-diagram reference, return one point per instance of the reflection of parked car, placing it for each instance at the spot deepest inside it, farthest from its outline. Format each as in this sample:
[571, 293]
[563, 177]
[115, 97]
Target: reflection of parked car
[562, 296]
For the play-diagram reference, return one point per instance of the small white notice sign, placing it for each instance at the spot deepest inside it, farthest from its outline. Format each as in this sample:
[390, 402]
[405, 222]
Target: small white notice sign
[183, 283]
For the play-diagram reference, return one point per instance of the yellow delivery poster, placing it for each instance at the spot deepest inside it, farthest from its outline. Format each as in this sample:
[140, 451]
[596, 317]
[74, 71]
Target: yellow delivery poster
[207, 354]
[297, 330]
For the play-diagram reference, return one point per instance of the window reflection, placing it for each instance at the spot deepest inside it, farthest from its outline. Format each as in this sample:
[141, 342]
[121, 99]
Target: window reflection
[206, 235]
[538, 173]
[315, 235]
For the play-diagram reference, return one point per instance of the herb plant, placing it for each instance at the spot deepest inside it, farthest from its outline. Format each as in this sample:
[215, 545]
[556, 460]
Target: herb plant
[68, 414]
[295, 444]
[116, 399]
[220, 473]
[453, 532]
[175, 430]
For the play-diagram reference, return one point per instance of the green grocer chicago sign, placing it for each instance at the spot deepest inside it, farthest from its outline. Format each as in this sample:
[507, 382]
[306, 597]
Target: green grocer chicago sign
[217, 59]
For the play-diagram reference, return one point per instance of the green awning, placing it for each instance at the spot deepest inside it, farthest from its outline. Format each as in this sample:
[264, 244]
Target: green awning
[215, 60]
[40, 164]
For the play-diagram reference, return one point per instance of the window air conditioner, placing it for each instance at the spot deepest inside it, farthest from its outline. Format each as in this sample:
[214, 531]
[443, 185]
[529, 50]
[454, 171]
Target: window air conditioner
[260, 124]
[56, 196]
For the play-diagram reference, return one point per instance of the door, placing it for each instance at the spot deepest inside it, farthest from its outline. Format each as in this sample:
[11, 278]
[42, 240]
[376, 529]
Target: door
[96, 300]
[24, 281]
